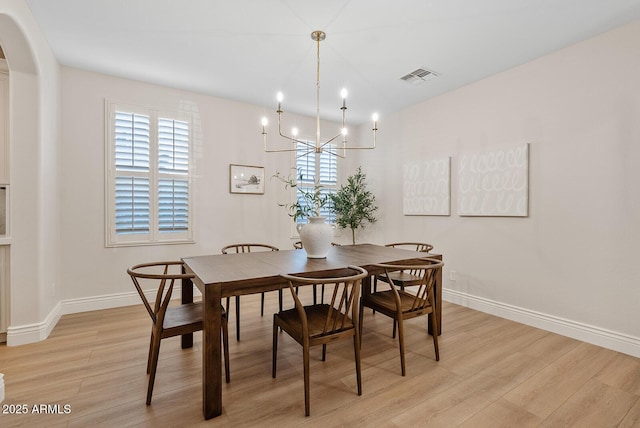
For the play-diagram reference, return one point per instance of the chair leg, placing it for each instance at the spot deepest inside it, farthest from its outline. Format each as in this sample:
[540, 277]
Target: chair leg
[154, 366]
[275, 347]
[280, 299]
[360, 318]
[401, 344]
[262, 304]
[305, 357]
[150, 353]
[315, 297]
[434, 323]
[375, 287]
[395, 325]
[324, 352]
[237, 318]
[356, 351]
[225, 348]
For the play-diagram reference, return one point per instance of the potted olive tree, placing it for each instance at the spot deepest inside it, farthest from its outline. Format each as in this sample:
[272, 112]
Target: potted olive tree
[316, 235]
[354, 205]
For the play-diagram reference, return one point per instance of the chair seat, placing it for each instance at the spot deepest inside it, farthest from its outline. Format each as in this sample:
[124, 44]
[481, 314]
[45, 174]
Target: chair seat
[185, 316]
[316, 318]
[401, 278]
[384, 301]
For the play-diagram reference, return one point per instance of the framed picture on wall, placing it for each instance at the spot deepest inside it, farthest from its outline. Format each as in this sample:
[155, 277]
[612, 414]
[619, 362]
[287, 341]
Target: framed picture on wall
[246, 179]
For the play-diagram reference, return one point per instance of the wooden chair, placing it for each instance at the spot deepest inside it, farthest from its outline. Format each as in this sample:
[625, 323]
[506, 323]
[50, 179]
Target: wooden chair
[247, 248]
[169, 321]
[404, 278]
[401, 305]
[298, 246]
[322, 323]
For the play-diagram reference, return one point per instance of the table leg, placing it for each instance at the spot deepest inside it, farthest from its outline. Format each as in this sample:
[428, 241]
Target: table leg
[211, 352]
[437, 291]
[187, 297]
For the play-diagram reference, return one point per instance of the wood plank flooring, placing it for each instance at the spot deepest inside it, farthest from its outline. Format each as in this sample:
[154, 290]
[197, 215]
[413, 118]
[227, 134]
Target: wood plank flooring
[492, 373]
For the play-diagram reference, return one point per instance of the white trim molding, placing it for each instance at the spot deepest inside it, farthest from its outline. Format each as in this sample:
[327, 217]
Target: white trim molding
[30, 333]
[587, 333]
[1, 387]
[96, 303]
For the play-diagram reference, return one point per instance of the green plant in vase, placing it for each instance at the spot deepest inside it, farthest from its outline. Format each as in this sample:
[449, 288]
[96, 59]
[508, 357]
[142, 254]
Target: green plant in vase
[309, 200]
[316, 235]
[354, 205]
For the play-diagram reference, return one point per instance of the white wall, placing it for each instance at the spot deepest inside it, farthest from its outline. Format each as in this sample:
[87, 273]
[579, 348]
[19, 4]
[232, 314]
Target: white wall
[568, 267]
[225, 132]
[571, 266]
[34, 140]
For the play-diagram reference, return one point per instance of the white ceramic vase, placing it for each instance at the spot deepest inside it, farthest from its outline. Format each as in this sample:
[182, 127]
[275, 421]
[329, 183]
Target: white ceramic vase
[316, 237]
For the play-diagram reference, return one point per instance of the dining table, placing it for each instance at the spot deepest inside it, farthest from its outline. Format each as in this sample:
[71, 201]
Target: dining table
[219, 276]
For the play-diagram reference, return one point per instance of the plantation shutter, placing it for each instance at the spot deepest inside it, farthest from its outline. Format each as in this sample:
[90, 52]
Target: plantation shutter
[148, 176]
[173, 167]
[132, 168]
[312, 165]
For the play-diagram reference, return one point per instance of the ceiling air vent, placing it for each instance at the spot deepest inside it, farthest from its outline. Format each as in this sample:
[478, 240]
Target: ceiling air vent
[419, 76]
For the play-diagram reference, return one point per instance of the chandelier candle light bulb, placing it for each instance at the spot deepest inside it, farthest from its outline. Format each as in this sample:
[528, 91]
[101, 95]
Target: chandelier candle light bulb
[318, 146]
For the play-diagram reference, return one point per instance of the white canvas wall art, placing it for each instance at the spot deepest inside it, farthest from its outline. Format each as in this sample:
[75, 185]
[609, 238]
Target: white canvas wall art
[494, 182]
[426, 187]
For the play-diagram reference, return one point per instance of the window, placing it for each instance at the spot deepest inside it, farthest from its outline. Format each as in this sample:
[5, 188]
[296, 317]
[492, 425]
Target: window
[148, 176]
[324, 166]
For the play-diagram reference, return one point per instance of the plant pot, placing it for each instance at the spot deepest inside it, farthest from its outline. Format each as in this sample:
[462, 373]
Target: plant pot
[316, 237]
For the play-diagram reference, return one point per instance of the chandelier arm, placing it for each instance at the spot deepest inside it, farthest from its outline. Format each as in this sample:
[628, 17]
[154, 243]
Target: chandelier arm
[328, 141]
[306, 153]
[293, 140]
[334, 153]
[360, 148]
[279, 150]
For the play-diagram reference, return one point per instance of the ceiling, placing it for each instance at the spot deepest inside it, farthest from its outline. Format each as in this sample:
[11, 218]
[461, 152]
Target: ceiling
[248, 50]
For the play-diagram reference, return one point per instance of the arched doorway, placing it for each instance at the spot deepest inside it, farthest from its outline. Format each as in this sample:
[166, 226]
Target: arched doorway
[33, 129]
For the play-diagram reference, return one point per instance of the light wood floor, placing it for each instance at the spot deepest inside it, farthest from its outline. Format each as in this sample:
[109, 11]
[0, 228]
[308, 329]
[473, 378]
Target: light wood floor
[492, 373]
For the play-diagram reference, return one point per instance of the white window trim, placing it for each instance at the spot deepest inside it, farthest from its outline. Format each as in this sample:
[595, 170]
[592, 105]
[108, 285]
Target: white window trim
[154, 237]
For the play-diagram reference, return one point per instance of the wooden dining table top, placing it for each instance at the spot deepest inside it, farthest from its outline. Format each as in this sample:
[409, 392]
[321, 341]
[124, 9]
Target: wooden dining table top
[248, 273]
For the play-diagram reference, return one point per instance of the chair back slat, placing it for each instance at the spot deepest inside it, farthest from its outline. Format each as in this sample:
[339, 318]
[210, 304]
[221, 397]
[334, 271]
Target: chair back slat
[421, 247]
[341, 312]
[145, 301]
[425, 270]
[341, 301]
[147, 273]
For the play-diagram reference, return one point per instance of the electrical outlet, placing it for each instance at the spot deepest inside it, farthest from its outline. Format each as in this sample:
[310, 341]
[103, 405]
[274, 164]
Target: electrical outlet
[452, 275]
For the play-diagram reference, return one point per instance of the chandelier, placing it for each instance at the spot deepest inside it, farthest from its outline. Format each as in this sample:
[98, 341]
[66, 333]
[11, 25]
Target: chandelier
[319, 146]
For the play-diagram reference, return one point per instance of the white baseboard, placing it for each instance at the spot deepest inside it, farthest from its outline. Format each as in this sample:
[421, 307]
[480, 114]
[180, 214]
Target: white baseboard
[30, 333]
[95, 303]
[598, 336]
[584, 332]
[1, 387]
